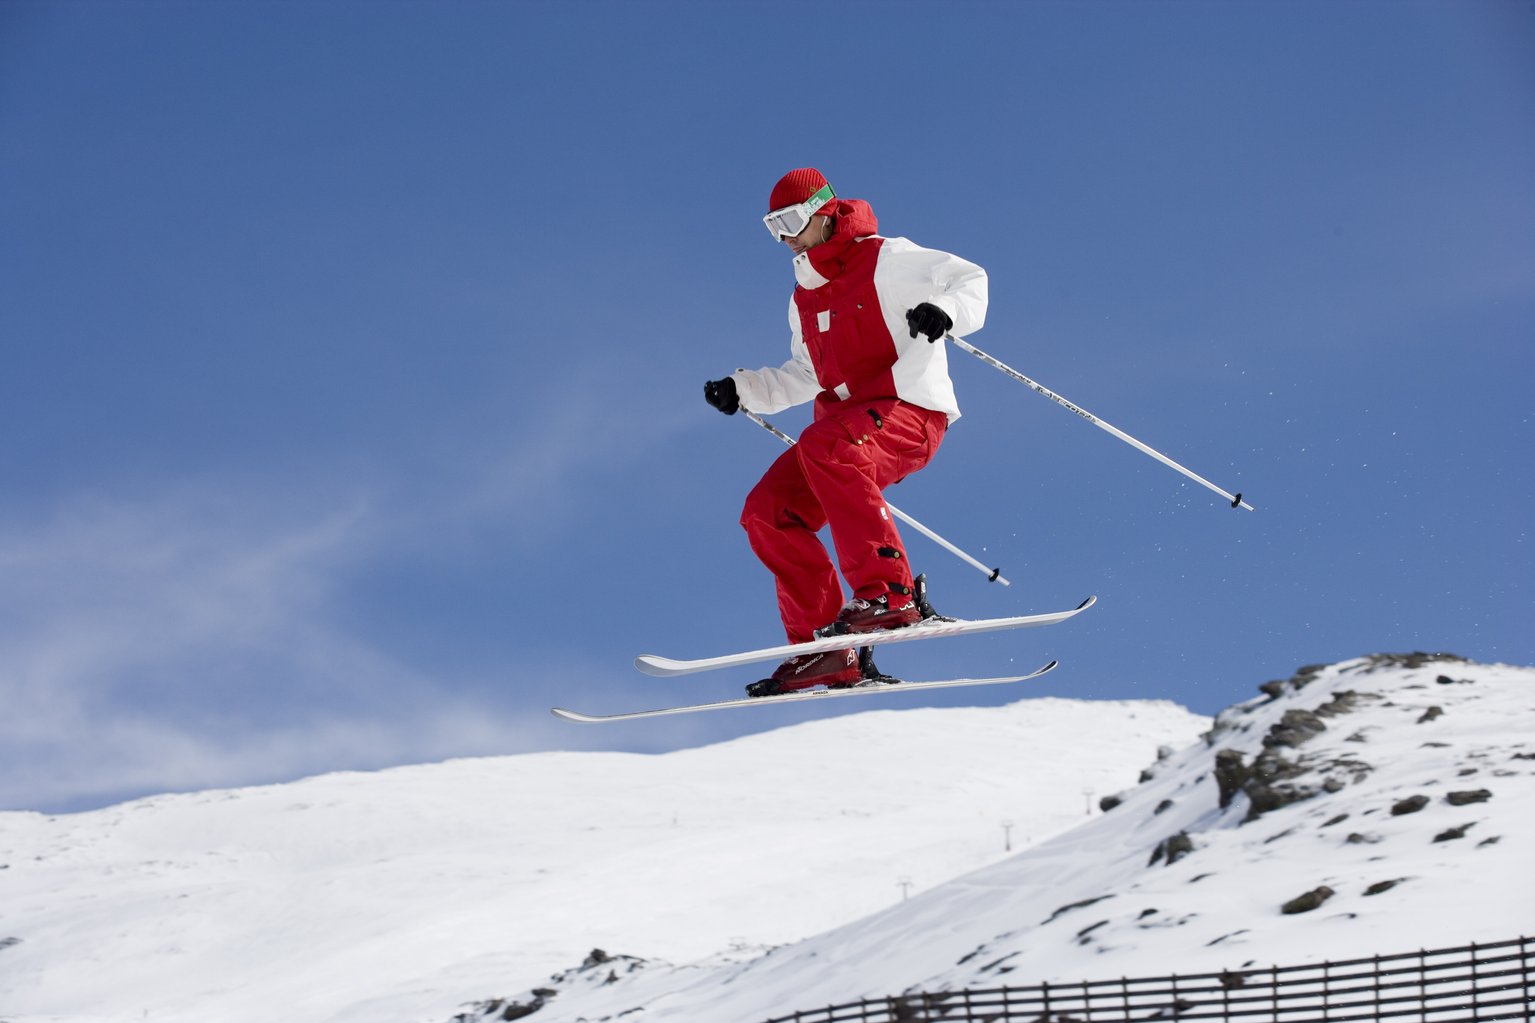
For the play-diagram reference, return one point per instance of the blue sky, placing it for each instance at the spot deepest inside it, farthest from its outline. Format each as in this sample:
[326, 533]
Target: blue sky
[351, 409]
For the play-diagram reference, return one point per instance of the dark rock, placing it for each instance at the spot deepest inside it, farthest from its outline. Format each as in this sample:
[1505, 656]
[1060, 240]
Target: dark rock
[1307, 902]
[1355, 838]
[1412, 804]
[1294, 728]
[1430, 714]
[1076, 905]
[1336, 820]
[1108, 803]
[1273, 690]
[1164, 805]
[501, 1009]
[1452, 834]
[1468, 797]
[1173, 849]
[1345, 702]
[1266, 789]
[1382, 886]
[1231, 774]
[1084, 932]
[1306, 674]
[596, 958]
[1416, 659]
[993, 967]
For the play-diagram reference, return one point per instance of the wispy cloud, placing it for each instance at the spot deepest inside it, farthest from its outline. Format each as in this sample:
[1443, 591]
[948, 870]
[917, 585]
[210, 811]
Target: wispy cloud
[200, 635]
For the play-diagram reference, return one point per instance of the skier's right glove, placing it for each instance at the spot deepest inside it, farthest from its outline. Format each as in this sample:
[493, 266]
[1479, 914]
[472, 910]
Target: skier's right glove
[722, 395]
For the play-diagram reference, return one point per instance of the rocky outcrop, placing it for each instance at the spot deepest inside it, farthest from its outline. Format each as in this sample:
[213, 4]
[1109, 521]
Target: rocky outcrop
[1309, 901]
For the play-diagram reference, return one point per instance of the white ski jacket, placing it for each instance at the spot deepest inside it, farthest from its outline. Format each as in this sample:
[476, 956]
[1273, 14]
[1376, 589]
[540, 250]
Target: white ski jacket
[849, 340]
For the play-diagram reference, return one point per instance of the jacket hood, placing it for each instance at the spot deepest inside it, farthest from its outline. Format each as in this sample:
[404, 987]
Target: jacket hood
[851, 219]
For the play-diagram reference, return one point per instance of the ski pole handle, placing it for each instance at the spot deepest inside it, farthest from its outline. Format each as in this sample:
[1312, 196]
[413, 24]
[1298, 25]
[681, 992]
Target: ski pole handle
[959, 342]
[992, 574]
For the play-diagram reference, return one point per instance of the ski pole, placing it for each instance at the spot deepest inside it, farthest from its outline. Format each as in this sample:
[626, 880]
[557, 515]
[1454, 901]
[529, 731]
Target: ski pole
[1235, 499]
[992, 574]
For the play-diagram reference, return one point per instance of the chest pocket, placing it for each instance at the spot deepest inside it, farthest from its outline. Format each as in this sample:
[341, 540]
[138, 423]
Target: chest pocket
[848, 340]
[864, 348]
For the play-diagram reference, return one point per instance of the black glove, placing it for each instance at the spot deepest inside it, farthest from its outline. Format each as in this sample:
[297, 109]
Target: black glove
[928, 319]
[722, 395]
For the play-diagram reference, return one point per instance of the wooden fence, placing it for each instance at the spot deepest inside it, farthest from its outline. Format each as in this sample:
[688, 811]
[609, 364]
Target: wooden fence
[1473, 984]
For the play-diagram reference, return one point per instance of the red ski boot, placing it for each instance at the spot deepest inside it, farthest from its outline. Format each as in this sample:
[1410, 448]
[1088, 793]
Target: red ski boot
[894, 610]
[833, 668]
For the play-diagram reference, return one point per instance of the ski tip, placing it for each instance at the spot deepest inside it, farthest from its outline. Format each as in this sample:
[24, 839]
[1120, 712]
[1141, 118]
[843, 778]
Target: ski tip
[660, 667]
[1089, 602]
[571, 715]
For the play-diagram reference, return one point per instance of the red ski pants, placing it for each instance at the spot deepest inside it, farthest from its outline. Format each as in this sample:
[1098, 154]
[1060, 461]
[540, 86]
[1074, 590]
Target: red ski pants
[836, 476]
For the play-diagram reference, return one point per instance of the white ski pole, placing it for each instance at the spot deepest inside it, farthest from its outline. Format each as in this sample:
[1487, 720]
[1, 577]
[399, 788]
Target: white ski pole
[992, 574]
[1235, 499]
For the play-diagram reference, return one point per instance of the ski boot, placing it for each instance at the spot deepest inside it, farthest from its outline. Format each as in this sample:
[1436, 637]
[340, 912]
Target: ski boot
[893, 610]
[806, 671]
[847, 669]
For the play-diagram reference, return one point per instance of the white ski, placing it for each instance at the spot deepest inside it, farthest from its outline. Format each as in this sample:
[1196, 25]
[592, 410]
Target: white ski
[932, 628]
[869, 689]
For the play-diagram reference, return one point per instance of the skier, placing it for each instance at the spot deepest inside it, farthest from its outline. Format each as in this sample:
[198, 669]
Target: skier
[865, 320]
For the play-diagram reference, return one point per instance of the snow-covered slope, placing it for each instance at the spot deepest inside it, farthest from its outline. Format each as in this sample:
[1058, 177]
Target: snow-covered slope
[404, 894]
[1378, 805]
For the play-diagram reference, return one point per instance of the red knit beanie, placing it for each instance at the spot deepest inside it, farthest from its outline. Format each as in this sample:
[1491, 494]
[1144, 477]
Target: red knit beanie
[795, 187]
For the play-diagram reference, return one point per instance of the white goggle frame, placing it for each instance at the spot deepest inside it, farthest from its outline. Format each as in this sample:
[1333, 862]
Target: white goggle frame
[791, 220]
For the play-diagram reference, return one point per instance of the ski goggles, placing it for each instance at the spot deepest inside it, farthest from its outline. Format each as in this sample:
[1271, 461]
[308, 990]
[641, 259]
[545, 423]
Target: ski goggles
[791, 220]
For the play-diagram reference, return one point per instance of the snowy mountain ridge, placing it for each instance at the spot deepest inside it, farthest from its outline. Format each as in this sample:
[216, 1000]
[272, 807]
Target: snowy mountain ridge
[406, 894]
[1382, 804]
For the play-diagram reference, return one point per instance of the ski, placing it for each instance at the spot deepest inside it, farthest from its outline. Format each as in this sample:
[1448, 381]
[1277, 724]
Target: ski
[870, 689]
[932, 628]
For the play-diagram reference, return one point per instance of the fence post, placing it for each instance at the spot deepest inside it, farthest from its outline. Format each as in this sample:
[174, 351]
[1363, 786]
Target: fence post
[1524, 967]
[1375, 982]
[1476, 988]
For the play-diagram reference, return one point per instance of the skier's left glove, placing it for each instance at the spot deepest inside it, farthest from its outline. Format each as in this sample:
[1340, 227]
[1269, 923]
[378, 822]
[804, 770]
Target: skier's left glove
[930, 320]
[722, 395]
